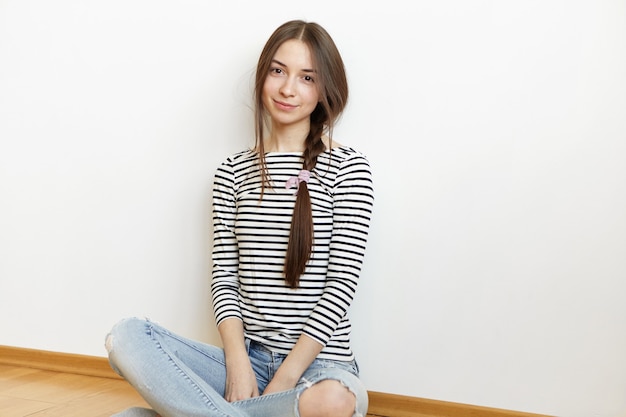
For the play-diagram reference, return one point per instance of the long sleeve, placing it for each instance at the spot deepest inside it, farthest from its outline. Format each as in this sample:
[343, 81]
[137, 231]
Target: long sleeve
[353, 198]
[225, 282]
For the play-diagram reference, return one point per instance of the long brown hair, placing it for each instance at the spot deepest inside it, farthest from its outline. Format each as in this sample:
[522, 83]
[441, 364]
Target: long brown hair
[333, 94]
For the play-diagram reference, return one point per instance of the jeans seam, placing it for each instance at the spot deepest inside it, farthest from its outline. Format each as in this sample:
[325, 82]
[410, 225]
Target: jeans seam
[184, 342]
[206, 399]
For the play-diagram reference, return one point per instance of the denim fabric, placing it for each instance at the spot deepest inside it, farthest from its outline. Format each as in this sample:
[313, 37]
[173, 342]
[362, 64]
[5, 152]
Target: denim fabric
[180, 377]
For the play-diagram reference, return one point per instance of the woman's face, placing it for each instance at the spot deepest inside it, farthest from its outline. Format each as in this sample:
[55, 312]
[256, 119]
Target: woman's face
[290, 91]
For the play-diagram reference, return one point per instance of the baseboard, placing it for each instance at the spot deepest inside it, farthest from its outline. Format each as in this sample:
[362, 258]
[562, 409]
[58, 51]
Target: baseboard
[55, 361]
[381, 404]
[392, 405]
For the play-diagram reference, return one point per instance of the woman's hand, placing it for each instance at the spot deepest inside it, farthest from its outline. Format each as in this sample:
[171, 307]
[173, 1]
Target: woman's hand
[294, 365]
[278, 384]
[241, 381]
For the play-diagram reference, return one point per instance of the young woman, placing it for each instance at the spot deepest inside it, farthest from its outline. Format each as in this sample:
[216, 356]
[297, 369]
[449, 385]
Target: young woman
[291, 219]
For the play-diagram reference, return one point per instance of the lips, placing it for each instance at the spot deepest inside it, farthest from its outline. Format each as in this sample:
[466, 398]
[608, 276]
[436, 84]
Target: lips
[284, 106]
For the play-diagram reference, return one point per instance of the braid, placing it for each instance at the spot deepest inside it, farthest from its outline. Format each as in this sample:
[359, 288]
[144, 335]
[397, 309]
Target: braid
[301, 235]
[314, 147]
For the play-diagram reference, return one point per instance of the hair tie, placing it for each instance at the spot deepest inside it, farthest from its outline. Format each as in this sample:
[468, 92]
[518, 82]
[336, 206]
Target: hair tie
[292, 182]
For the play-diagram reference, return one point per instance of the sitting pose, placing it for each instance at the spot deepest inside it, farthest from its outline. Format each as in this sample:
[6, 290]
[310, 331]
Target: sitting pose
[291, 219]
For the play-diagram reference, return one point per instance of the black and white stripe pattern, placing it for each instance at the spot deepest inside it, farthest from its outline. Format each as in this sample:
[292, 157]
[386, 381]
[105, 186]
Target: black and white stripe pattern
[250, 241]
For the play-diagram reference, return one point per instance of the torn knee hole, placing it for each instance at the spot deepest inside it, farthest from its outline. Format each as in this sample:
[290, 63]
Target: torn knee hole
[327, 397]
[108, 343]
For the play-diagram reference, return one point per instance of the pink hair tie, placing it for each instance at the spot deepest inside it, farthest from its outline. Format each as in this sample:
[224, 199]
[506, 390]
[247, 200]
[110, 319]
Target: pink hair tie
[292, 182]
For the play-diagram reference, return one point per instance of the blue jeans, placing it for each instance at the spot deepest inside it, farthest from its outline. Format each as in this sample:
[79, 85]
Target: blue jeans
[180, 377]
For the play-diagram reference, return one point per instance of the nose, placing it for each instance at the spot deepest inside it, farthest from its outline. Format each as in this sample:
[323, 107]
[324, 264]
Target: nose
[288, 87]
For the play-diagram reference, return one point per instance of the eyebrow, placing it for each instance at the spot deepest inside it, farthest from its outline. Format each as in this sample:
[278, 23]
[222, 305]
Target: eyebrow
[284, 65]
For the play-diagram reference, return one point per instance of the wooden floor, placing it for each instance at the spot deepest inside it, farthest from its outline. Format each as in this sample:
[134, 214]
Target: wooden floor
[36, 393]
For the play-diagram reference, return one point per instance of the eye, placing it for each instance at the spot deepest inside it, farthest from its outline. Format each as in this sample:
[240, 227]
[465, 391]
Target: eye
[276, 71]
[308, 79]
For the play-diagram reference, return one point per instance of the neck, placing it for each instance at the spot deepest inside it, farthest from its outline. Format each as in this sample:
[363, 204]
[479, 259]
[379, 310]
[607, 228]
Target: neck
[286, 141]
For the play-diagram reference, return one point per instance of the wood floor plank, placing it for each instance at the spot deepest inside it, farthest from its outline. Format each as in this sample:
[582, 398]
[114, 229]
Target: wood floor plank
[18, 407]
[56, 387]
[97, 406]
[12, 376]
[26, 392]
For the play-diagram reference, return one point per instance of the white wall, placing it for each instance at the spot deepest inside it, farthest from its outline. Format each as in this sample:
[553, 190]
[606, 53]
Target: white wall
[496, 271]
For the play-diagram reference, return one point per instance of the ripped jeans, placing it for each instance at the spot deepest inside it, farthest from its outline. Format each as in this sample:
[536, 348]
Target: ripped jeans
[180, 377]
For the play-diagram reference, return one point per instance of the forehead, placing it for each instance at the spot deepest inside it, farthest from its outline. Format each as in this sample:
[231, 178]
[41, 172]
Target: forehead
[294, 54]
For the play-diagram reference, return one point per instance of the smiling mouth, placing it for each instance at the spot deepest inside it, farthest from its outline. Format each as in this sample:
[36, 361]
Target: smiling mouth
[284, 105]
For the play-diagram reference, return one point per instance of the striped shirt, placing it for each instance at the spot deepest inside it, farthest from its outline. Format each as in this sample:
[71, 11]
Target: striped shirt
[250, 242]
